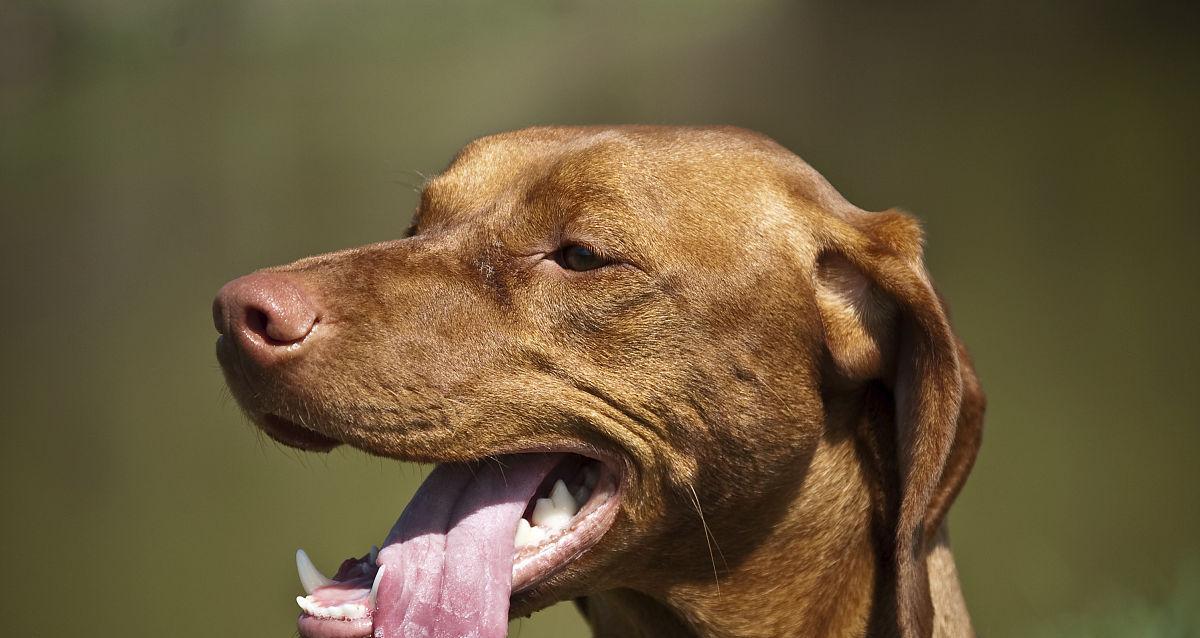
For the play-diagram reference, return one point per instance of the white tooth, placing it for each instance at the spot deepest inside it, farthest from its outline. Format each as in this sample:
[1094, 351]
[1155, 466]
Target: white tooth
[310, 577]
[374, 555]
[375, 585]
[521, 536]
[582, 494]
[562, 498]
[353, 611]
[310, 606]
[528, 535]
[542, 508]
[546, 514]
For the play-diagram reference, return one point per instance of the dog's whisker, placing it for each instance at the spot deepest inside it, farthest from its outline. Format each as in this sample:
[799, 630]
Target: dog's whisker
[709, 539]
[500, 467]
[782, 404]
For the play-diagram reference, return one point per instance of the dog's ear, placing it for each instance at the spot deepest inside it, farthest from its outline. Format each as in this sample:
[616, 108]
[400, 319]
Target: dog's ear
[884, 323]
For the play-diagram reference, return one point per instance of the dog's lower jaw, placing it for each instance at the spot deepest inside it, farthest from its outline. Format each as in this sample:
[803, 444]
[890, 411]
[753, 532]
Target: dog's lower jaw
[838, 591]
[834, 602]
[841, 609]
[800, 579]
[625, 613]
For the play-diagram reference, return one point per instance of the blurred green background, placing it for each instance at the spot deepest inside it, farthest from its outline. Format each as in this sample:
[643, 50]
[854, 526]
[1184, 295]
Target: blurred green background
[148, 154]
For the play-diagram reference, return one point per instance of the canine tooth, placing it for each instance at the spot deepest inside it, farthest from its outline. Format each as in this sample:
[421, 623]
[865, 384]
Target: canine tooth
[375, 584]
[374, 554]
[310, 577]
[549, 516]
[562, 498]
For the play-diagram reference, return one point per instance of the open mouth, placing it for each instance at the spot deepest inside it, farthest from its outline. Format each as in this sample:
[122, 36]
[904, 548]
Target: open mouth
[473, 536]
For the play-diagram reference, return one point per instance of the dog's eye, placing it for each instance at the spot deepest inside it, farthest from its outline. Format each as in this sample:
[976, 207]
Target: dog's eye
[580, 258]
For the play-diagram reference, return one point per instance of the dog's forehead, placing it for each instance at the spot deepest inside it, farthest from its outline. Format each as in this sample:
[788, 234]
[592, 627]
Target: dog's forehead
[524, 171]
[562, 172]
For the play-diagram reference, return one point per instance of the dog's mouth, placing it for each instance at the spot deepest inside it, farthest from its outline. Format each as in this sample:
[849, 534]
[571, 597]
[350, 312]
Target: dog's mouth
[475, 536]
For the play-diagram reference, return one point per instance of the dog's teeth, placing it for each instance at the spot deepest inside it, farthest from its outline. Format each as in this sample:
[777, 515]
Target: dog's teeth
[546, 514]
[374, 554]
[521, 536]
[346, 611]
[375, 584]
[542, 509]
[353, 611]
[310, 606]
[562, 499]
[549, 515]
[310, 577]
[528, 535]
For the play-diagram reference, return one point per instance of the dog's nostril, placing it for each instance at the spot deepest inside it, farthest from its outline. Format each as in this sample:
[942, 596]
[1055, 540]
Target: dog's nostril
[279, 330]
[279, 326]
[256, 320]
[268, 313]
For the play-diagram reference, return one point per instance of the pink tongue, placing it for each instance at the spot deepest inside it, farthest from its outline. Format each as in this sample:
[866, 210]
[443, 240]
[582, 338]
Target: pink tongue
[449, 558]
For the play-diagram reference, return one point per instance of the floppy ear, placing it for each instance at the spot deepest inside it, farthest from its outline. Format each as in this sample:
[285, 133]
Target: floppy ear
[884, 322]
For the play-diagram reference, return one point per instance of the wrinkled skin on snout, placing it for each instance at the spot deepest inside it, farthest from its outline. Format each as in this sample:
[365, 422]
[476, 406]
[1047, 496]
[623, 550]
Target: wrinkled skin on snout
[738, 354]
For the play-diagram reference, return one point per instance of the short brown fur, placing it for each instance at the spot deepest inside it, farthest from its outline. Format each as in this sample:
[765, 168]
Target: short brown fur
[770, 365]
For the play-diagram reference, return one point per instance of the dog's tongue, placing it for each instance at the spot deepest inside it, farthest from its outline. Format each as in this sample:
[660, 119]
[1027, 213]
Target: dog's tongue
[448, 560]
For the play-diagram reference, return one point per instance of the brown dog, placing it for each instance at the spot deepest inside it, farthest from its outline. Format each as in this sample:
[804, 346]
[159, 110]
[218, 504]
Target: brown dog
[748, 388]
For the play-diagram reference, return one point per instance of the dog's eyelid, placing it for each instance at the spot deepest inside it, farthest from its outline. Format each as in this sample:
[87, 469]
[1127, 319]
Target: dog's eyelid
[580, 257]
[612, 260]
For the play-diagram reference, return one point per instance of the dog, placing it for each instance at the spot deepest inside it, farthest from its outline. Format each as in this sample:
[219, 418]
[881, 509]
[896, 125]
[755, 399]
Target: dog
[668, 373]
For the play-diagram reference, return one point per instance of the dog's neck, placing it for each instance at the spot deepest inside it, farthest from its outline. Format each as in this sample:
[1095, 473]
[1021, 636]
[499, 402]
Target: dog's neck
[802, 580]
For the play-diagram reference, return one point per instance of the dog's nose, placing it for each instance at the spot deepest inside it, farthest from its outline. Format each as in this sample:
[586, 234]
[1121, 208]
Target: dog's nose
[267, 314]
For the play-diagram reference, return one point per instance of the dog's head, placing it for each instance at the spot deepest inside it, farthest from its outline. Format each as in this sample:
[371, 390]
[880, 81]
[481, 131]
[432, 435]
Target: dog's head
[669, 321]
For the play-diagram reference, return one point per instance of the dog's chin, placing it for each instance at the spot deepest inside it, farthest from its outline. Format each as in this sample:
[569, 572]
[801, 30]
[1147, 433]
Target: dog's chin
[569, 501]
[294, 435]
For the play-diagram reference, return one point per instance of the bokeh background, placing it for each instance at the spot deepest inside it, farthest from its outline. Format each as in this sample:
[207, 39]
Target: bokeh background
[150, 153]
